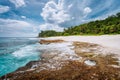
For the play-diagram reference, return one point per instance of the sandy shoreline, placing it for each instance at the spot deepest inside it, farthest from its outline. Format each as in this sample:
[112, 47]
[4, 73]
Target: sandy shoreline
[112, 41]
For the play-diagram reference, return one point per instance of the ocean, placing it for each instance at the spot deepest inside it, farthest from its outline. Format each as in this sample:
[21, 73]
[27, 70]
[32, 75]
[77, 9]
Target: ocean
[17, 52]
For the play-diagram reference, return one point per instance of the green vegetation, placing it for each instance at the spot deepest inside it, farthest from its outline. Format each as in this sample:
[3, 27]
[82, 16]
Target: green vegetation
[110, 25]
[49, 33]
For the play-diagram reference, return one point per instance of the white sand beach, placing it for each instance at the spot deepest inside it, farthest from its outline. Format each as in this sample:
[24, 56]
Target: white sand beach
[110, 42]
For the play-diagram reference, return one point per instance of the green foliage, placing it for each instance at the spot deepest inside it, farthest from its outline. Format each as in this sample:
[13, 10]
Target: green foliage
[110, 25]
[49, 33]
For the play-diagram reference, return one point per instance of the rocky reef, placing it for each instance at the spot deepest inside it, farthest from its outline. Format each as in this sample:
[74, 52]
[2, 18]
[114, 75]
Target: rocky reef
[62, 60]
[42, 41]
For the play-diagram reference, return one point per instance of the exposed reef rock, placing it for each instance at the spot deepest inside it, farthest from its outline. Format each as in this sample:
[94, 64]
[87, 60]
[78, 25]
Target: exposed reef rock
[69, 61]
[42, 41]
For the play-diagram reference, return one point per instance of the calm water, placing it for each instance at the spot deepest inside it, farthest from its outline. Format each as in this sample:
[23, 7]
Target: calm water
[17, 52]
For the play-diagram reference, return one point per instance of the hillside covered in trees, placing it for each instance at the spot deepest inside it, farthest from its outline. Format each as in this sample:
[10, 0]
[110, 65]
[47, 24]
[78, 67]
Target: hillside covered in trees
[110, 25]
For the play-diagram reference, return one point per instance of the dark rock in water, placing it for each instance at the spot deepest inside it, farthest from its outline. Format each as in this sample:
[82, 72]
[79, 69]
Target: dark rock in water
[50, 41]
[28, 66]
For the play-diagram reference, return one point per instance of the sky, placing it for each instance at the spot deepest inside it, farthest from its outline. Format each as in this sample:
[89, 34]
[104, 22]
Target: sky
[26, 18]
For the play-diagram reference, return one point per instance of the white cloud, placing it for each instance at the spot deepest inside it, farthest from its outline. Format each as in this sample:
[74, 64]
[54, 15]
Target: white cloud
[18, 3]
[65, 13]
[87, 10]
[24, 17]
[10, 27]
[14, 23]
[55, 13]
[4, 9]
[69, 6]
[48, 26]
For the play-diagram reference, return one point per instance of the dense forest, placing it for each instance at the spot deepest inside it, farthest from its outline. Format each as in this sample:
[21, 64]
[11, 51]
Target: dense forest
[110, 25]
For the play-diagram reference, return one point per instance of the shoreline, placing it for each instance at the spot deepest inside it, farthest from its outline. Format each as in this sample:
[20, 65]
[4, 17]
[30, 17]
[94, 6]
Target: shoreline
[92, 39]
[80, 53]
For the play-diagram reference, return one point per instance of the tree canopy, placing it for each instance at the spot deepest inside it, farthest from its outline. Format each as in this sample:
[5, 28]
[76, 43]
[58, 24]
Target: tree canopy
[110, 25]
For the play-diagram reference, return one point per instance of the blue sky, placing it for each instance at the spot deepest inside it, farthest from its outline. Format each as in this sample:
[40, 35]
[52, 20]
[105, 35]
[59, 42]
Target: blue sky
[26, 18]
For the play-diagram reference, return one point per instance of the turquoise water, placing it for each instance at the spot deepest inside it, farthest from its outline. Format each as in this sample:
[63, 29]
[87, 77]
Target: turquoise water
[17, 52]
